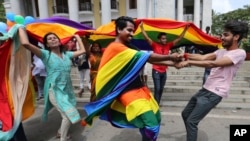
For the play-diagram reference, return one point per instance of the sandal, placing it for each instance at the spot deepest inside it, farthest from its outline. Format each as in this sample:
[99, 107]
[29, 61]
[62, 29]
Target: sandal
[58, 136]
[81, 92]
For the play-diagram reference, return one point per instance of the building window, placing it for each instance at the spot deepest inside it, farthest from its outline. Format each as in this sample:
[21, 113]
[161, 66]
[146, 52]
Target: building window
[132, 4]
[114, 4]
[61, 6]
[87, 23]
[85, 5]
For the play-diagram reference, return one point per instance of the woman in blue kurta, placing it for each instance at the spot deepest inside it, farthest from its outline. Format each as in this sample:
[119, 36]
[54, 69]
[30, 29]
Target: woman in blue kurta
[58, 89]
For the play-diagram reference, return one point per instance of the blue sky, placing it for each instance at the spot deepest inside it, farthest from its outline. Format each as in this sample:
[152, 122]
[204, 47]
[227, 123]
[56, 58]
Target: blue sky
[224, 6]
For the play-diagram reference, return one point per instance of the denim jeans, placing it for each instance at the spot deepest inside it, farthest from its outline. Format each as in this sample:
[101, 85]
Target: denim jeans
[197, 108]
[19, 135]
[159, 83]
[206, 74]
[40, 80]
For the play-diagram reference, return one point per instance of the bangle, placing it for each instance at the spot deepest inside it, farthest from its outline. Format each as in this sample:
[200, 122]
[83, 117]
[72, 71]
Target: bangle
[170, 57]
[185, 56]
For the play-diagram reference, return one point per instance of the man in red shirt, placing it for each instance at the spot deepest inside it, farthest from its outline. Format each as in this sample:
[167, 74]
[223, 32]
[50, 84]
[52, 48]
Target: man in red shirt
[161, 47]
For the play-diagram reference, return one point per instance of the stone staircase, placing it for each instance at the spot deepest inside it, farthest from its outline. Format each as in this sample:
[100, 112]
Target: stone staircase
[183, 83]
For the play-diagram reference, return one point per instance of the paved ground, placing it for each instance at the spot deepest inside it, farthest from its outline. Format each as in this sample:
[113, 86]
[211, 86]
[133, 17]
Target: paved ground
[215, 127]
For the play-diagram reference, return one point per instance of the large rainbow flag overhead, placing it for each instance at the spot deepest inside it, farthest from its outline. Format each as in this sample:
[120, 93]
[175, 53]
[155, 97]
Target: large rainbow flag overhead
[63, 27]
[194, 36]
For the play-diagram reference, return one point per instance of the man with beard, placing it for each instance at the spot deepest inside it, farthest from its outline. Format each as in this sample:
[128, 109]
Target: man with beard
[224, 63]
[121, 97]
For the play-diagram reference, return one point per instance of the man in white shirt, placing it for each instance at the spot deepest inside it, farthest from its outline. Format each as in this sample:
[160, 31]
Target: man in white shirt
[40, 74]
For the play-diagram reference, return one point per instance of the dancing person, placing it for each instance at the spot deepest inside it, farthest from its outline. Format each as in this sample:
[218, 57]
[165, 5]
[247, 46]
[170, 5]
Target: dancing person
[58, 91]
[71, 46]
[121, 96]
[39, 74]
[94, 60]
[159, 72]
[81, 63]
[224, 63]
[207, 70]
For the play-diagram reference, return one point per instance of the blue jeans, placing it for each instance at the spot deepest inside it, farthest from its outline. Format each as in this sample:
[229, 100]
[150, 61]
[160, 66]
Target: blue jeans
[159, 83]
[206, 74]
[40, 80]
[197, 108]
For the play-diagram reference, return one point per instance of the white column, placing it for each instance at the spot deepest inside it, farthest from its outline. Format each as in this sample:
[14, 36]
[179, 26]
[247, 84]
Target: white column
[180, 10]
[165, 9]
[16, 7]
[206, 14]
[197, 13]
[43, 9]
[141, 9]
[73, 10]
[7, 7]
[106, 11]
[149, 9]
[34, 8]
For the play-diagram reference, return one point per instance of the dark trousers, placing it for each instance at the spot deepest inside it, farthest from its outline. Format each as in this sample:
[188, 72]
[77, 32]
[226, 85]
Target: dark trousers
[206, 74]
[19, 135]
[159, 83]
[197, 108]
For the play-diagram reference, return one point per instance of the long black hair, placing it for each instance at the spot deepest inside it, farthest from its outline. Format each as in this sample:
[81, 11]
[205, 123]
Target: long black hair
[45, 41]
[99, 45]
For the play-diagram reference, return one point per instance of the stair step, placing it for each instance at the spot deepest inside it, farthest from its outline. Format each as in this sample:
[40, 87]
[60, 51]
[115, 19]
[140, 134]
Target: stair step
[182, 84]
[222, 104]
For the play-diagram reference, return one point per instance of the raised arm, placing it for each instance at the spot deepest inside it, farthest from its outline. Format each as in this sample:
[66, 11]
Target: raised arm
[81, 46]
[182, 34]
[25, 42]
[145, 35]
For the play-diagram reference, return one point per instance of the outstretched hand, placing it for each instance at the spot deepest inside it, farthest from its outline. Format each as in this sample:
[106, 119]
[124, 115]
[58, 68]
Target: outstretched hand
[181, 64]
[175, 57]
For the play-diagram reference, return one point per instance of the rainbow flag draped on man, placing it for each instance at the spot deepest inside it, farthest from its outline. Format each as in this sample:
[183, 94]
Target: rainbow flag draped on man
[134, 108]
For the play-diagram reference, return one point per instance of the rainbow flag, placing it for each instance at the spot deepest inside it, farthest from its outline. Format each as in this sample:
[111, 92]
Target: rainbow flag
[63, 27]
[17, 91]
[131, 109]
[194, 36]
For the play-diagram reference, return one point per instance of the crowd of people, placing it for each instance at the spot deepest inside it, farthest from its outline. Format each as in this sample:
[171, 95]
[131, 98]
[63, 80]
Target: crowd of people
[115, 77]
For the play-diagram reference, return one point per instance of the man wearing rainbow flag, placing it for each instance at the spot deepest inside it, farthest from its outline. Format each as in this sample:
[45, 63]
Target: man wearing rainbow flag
[121, 97]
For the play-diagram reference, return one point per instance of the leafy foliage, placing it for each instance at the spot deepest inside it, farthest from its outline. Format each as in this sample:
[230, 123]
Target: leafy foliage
[241, 14]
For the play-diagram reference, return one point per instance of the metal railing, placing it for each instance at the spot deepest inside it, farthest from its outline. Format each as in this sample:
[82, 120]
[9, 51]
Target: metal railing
[85, 6]
[113, 5]
[60, 9]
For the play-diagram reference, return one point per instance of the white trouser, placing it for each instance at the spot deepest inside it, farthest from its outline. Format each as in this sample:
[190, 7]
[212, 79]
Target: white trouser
[84, 74]
[63, 130]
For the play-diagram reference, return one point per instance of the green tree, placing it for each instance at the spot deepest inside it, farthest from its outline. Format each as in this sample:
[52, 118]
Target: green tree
[2, 12]
[218, 20]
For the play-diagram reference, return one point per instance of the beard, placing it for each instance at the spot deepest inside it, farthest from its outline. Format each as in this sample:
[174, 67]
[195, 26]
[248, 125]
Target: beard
[227, 44]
